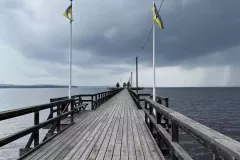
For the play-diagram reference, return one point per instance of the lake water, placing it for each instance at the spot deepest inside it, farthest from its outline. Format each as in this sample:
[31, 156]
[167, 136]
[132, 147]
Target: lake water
[218, 108]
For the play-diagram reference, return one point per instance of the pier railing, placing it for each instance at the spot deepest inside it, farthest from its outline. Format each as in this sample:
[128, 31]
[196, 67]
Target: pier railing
[94, 99]
[139, 97]
[165, 123]
[63, 107]
[54, 121]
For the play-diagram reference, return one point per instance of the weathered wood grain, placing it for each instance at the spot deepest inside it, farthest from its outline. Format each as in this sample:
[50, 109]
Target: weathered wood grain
[180, 153]
[115, 130]
[96, 145]
[225, 147]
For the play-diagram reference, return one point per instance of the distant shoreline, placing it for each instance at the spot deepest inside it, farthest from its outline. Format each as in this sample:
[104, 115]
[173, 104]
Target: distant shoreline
[19, 87]
[9, 86]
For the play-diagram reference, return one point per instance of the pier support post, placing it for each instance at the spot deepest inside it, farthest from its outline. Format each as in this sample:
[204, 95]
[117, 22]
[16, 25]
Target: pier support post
[36, 133]
[72, 114]
[92, 102]
[58, 114]
[175, 137]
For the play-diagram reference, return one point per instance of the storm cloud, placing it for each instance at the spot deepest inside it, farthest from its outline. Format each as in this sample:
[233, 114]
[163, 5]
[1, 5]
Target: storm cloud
[198, 33]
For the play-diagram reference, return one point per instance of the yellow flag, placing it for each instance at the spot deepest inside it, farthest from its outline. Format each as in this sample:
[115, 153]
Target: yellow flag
[67, 12]
[157, 17]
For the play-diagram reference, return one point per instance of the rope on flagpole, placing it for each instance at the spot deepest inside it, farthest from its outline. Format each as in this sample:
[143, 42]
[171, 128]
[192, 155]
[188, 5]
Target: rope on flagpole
[151, 29]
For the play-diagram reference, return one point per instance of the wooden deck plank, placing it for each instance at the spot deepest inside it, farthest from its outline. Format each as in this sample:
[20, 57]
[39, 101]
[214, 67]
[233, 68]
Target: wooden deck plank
[155, 151]
[131, 147]
[107, 139]
[137, 144]
[104, 134]
[69, 139]
[110, 147]
[124, 149]
[71, 132]
[141, 133]
[101, 133]
[118, 142]
[58, 139]
[81, 148]
[68, 142]
[83, 136]
[115, 130]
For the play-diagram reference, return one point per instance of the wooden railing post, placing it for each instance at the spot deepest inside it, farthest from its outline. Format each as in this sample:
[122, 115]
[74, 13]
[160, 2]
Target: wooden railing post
[166, 101]
[175, 137]
[72, 114]
[99, 96]
[146, 119]
[92, 102]
[95, 99]
[150, 122]
[167, 121]
[145, 105]
[99, 100]
[150, 110]
[51, 113]
[160, 141]
[159, 101]
[79, 100]
[58, 114]
[158, 117]
[36, 132]
[138, 102]
[104, 97]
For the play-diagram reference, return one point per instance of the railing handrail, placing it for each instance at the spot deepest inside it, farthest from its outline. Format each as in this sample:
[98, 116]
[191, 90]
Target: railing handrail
[83, 95]
[148, 94]
[24, 132]
[223, 146]
[159, 97]
[30, 109]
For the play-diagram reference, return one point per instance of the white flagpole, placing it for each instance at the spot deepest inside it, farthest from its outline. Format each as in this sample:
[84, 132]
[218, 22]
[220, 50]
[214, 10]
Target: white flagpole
[70, 59]
[154, 78]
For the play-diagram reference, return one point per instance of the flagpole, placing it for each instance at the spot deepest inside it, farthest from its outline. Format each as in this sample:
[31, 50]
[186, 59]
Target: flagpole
[154, 78]
[70, 59]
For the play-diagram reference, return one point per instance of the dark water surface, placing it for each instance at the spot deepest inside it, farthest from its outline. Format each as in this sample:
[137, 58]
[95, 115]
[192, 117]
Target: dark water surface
[218, 108]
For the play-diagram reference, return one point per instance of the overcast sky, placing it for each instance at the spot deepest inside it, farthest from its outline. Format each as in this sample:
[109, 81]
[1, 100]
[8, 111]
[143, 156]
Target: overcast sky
[199, 46]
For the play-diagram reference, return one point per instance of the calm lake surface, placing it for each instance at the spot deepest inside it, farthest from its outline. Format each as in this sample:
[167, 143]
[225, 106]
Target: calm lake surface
[218, 108]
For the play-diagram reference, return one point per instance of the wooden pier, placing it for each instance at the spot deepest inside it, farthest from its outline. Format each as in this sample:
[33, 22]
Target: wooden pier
[113, 131]
[120, 125]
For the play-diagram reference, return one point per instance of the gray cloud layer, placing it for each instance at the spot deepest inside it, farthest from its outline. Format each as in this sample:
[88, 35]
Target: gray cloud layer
[197, 33]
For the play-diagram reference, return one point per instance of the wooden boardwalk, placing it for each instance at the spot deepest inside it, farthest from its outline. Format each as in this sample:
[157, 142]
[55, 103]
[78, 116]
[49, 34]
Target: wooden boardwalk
[115, 130]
